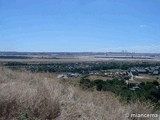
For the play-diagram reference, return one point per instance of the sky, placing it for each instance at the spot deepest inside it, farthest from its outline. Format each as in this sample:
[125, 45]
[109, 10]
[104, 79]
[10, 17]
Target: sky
[80, 25]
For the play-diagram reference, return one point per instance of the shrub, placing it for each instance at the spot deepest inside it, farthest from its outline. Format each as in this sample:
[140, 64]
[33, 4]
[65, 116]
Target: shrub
[86, 83]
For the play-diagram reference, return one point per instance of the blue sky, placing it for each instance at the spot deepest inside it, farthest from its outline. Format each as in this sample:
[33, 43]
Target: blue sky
[80, 25]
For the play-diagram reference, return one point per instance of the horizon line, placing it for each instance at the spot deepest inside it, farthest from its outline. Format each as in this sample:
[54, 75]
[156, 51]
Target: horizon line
[81, 52]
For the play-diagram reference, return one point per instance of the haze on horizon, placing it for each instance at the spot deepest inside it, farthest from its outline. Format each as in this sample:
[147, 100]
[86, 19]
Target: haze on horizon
[80, 25]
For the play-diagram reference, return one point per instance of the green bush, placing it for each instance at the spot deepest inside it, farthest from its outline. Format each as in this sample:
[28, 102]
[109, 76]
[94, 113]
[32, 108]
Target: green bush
[26, 115]
[148, 90]
[86, 83]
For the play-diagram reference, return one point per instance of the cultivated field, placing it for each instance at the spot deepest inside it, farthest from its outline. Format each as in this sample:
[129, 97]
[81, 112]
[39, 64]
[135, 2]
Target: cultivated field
[73, 60]
[68, 57]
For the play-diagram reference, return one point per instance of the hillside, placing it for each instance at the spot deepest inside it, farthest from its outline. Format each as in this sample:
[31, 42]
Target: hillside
[34, 96]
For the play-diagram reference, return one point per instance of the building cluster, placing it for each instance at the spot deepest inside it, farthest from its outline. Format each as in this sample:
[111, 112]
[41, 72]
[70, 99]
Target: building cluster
[146, 70]
[117, 75]
[127, 75]
[114, 75]
[68, 75]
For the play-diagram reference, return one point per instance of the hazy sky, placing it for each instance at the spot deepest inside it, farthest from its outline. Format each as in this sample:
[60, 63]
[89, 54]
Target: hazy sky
[80, 25]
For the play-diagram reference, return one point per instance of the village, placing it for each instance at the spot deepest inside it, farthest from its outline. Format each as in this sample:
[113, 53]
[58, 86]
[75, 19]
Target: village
[126, 75]
[114, 75]
[146, 70]
[130, 76]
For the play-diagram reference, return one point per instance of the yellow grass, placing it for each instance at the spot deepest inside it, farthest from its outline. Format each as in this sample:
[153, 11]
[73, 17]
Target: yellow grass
[47, 98]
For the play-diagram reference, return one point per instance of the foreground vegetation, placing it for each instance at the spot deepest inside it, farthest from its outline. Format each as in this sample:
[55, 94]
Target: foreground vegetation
[36, 96]
[147, 91]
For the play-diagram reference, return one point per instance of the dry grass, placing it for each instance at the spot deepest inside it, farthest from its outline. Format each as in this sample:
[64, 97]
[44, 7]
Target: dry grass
[47, 98]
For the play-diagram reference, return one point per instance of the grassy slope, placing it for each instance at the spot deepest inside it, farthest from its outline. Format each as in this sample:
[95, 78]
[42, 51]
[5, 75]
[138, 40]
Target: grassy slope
[46, 98]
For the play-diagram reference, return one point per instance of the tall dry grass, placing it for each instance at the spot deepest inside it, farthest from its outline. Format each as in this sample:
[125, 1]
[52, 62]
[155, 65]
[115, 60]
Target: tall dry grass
[47, 98]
